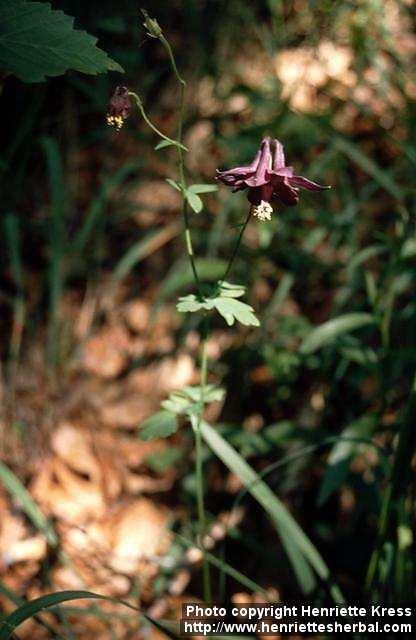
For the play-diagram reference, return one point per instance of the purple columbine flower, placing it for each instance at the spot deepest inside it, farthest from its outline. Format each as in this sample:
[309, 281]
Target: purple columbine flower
[266, 178]
[119, 107]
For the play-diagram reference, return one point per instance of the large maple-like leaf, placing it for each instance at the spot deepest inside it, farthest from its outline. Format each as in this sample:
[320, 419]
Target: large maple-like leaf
[37, 41]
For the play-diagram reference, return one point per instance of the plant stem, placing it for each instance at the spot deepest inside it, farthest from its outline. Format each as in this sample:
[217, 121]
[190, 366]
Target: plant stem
[182, 182]
[148, 121]
[180, 147]
[172, 60]
[237, 244]
[204, 355]
[198, 465]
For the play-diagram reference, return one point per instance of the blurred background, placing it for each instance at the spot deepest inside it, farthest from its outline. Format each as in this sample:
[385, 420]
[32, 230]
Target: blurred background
[92, 262]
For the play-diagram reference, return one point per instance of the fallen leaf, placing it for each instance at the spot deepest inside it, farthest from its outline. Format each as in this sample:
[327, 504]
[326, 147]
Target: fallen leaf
[106, 353]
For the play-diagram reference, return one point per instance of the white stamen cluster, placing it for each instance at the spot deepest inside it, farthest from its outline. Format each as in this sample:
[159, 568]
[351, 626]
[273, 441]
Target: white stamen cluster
[263, 211]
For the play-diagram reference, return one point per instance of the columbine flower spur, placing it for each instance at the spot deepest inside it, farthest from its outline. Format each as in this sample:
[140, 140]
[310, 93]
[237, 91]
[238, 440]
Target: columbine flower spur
[267, 178]
[119, 108]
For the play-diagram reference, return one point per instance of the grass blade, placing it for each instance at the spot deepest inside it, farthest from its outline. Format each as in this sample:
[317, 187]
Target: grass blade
[13, 242]
[33, 607]
[18, 601]
[223, 566]
[291, 534]
[16, 489]
[330, 330]
[383, 178]
[96, 209]
[365, 254]
[57, 243]
[147, 245]
[349, 444]
[279, 295]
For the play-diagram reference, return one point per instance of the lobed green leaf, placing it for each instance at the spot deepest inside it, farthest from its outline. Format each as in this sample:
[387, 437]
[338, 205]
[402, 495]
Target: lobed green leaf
[37, 41]
[232, 310]
[225, 303]
[190, 400]
[161, 425]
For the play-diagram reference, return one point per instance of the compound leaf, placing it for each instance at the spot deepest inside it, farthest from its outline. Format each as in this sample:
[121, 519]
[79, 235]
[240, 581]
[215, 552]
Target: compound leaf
[191, 303]
[229, 290]
[225, 303]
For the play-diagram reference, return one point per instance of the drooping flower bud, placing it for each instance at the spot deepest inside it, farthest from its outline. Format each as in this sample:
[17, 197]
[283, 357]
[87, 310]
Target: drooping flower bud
[152, 25]
[119, 107]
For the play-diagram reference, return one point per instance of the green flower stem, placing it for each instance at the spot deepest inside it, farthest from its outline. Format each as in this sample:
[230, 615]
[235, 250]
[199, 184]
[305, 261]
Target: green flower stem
[172, 60]
[182, 180]
[237, 245]
[148, 121]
